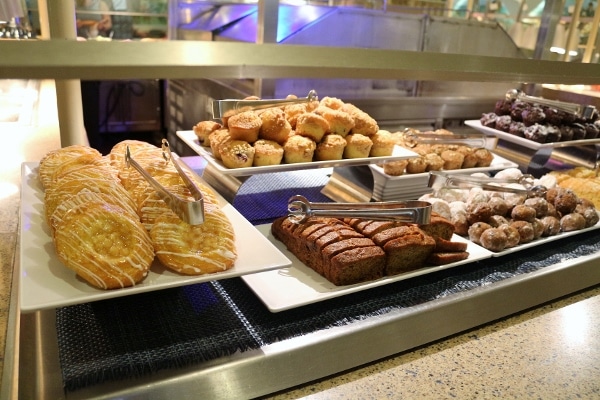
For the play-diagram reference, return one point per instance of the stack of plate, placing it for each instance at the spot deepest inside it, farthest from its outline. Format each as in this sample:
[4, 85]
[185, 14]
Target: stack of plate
[413, 186]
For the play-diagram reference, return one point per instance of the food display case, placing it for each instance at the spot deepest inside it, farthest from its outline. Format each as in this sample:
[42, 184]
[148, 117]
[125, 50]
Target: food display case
[192, 339]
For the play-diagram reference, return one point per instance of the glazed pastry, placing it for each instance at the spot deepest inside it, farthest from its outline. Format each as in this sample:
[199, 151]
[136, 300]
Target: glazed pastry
[572, 222]
[104, 245]
[493, 239]
[525, 230]
[198, 249]
[53, 159]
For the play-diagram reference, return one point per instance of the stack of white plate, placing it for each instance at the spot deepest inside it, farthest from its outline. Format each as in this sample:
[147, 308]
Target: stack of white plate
[413, 186]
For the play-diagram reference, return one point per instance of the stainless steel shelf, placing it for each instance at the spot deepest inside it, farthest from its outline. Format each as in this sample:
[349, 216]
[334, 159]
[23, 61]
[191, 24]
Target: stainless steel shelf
[70, 59]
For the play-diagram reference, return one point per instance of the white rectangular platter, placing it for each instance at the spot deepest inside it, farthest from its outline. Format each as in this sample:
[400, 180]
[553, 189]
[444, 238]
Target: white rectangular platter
[190, 138]
[530, 144]
[46, 283]
[298, 285]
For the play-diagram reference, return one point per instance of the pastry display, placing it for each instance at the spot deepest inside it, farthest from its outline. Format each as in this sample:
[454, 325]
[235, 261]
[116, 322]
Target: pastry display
[432, 157]
[582, 181]
[320, 123]
[108, 224]
[350, 250]
[540, 123]
[499, 220]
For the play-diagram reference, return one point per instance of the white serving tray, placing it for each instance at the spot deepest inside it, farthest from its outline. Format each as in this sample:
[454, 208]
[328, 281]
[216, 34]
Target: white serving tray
[46, 283]
[190, 138]
[299, 285]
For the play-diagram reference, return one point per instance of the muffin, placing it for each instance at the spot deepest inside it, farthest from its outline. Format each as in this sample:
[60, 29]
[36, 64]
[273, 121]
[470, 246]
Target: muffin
[267, 152]
[274, 126]
[244, 126]
[383, 144]
[236, 154]
[203, 129]
[215, 139]
[340, 122]
[298, 149]
[357, 146]
[312, 126]
[330, 148]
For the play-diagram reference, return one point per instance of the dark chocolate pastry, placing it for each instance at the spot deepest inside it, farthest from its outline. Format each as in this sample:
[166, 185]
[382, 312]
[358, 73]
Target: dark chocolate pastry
[503, 123]
[591, 131]
[517, 109]
[553, 134]
[567, 118]
[533, 115]
[566, 133]
[488, 119]
[578, 131]
[537, 133]
[517, 128]
[553, 116]
[503, 107]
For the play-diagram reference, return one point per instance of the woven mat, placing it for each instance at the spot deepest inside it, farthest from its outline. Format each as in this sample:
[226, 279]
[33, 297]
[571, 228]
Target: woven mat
[141, 334]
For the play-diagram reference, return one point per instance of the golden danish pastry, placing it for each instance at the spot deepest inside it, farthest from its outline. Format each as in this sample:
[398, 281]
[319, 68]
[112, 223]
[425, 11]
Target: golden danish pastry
[117, 153]
[104, 245]
[54, 158]
[198, 249]
[84, 162]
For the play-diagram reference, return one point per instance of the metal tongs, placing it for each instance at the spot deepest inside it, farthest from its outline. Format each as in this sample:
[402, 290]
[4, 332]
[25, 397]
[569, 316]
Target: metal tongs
[418, 212]
[190, 211]
[221, 107]
[582, 111]
[440, 180]
[413, 138]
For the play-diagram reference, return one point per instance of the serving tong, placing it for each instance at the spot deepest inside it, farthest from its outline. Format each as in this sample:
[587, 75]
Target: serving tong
[582, 111]
[418, 212]
[221, 107]
[190, 211]
[441, 180]
[413, 138]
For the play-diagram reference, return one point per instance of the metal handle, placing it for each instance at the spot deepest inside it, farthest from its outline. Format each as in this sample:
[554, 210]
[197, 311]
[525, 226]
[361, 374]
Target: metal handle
[439, 180]
[418, 212]
[476, 140]
[582, 111]
[220, 107]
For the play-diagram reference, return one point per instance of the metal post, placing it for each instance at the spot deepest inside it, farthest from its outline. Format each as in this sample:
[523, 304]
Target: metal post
[61, 22]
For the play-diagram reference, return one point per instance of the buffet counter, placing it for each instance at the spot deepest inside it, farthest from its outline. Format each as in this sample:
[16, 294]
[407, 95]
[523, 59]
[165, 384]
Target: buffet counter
[531, 334]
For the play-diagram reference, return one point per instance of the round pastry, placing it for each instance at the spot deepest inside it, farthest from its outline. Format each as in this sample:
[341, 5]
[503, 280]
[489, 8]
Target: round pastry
[566, 133]
[217, 138]
[364, 124]
[552, 134]
[551, 225]
[517, 128]
[274, 125]
[525, 230]
[331, 102]
[293, 111]
[267, 152]
[416, 165]
[498, 205]
[503, 123]
[533, 115]
[488, 120]
[357, 146]
[538, 228]
[298, 149]
[203, 129]
[591, 131]
[565, 201]
[512, 235]
[434, 162]
[394, 168]
[539, 204]
[331, 147]
[452, 159]
[195, 249]
[383, 144]
[478, 212]
[136, 147]
[537, 133]
[476, 230]
[572, 222]
[578, 131]
[51, 160]
[152, 206]
[461, 225]
[236, 154]
[244, 126]
[590, 214]
[522, 212]
[503, 106]
[517, 109]
[104, 245]
[340, 122]
[312, 126]
[493, 239]
[553, 116]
